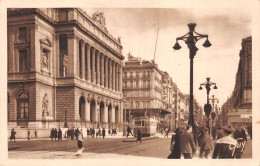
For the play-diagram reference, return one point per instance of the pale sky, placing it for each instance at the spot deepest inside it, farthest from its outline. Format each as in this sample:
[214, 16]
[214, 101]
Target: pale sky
[226, 28]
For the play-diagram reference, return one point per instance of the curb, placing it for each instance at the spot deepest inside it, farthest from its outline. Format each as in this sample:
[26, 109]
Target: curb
[143, 139]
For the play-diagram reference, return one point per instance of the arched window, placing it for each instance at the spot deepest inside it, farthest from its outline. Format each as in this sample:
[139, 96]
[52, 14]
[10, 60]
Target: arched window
[82, 108]
[23, 106]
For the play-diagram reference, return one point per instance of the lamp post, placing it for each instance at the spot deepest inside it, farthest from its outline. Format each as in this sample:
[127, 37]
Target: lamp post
[191, 39]
[207, 107]
[65, 123]
[125, 105]
[213, 113]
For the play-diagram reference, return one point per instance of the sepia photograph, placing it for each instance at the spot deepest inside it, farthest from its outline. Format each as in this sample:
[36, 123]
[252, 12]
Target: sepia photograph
[137, 83]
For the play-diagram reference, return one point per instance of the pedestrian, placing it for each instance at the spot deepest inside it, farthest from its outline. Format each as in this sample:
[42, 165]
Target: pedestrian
[225, 146]
[76, 133]
[55, 134]
[52, 134]
[59, 135]
[68, 134]
[166, 132]
[240, 137]
[214, 132]
[88, 132]
[187, 143]
[196, 133]
[72, 133]
[129, 131]
[109, 131]
[80, 143]
[99, 132]
[12, 137]
[139, 136]
[93, 132]
[115, 131]
[205, 144]
[175, 145]
[35, 133]
[28, 134]
[103, 133]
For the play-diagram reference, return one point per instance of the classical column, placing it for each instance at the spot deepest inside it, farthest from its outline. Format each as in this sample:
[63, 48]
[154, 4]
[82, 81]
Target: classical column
[116, 76]
[102, 70]
[114, 73]
[110, 73]
[113, 114]
[83, 59]
[87, 111]
[120, 78]
[105, 113]
[58, 56]
[72, 69]
[98, 68]
[106, 77]
[77, 57]
[93, 66]
[88, 63]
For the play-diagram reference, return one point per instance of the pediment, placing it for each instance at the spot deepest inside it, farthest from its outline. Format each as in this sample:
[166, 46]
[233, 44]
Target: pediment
[46, 41]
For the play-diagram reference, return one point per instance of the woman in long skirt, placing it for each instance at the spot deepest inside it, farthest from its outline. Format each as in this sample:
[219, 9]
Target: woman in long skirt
[80, 143]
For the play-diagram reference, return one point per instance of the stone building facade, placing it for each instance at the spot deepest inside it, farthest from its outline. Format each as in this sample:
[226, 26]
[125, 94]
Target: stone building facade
[63, 65]
[148, 91]
[237, 110]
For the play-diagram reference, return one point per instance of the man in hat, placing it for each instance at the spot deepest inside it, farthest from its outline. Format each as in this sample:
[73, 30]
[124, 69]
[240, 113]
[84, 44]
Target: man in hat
[225, 146]
[205, 144]
[187, 143]
[175, 145]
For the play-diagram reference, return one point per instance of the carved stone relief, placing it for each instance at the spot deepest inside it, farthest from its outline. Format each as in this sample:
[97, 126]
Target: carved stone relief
[45, 107]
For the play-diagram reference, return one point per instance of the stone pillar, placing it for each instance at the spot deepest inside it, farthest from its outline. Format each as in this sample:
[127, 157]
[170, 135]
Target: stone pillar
[110, 74]
[93, 74]
[114, 75]
[83, 59]
[88, 63]
[57, 56]
[97, 113]
[77, 57]
[120, 78]
[72, 56]
[105, 113]
[113, 114]
[87, 111]
[102, 70]
[98, 68]
[106, 78]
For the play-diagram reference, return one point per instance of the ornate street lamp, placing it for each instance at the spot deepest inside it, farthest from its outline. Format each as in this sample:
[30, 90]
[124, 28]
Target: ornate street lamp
[213, 113]
[191, 39]
[207, 107]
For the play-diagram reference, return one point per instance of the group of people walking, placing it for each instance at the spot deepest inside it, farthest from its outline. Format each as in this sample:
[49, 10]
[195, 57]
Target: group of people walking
[56, 134]
[92, 132]
[229, 143]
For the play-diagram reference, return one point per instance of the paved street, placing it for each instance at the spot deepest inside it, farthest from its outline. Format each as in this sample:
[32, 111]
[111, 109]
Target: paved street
[94, 148]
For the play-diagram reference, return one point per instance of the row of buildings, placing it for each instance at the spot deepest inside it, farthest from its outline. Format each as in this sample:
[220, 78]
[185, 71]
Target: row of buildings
[65, 68]
[237, 110]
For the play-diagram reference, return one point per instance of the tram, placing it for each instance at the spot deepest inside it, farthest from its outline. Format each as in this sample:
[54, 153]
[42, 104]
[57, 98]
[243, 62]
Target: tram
[147, 126]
